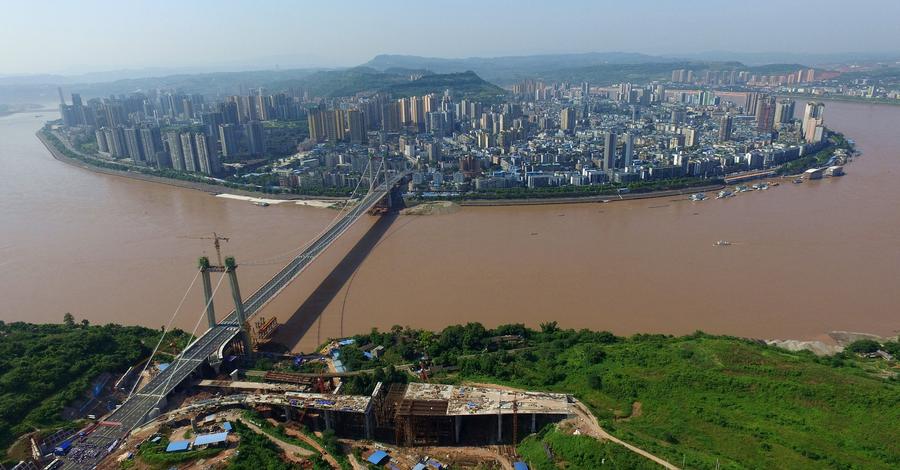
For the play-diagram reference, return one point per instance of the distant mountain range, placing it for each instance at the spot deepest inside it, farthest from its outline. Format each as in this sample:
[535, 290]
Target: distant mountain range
[473, 76]
[513, 68]
[812, 59]
[598, 68]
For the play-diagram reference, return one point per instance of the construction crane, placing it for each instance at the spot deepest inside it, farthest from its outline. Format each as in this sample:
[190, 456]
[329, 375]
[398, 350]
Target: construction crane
[216, 239]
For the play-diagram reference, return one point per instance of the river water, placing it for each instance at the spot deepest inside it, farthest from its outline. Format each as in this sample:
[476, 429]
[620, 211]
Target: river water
[805, 259]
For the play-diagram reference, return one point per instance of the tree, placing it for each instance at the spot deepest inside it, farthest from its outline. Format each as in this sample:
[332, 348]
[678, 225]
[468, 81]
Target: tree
[863, 346]
[69, 320]
[549, 327]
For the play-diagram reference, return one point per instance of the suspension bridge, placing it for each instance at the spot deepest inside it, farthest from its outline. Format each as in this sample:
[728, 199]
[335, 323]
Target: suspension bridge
[147, 402]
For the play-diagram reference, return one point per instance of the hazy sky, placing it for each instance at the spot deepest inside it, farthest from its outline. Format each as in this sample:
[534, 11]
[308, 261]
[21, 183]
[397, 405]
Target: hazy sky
[56, 36]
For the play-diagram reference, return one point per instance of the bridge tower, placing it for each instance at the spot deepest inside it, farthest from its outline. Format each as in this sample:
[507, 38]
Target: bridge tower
[205, 269]
[231, 269]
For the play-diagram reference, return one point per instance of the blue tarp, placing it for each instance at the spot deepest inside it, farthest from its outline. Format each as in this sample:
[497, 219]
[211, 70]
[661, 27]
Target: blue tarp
[178, 446]
[206, 439]
[63, 447]
[419, 466]
[378, 457]
[520, 466]
[227, 426]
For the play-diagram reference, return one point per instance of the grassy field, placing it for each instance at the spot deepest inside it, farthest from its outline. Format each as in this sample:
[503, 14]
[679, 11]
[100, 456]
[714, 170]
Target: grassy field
[551, 449]
[702, 399]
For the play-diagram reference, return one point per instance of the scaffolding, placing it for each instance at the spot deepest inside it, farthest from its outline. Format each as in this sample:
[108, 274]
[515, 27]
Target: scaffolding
[423, 422]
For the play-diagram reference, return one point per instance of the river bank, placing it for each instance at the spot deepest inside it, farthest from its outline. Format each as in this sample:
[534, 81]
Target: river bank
[586, 199]
[205, 187]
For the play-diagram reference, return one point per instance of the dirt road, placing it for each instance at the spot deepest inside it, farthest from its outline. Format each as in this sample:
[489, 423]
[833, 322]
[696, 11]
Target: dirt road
[291, 451]
[299, 435]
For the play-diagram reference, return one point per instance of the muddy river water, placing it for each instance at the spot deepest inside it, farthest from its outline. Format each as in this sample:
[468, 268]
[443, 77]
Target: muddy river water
[805, 259]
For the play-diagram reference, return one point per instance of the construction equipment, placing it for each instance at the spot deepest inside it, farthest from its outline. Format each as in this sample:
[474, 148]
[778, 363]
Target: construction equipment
[216, 239]
[263, 329]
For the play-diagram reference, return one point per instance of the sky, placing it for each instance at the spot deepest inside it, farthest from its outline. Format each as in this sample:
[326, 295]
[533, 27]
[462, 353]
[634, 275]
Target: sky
[78, 36]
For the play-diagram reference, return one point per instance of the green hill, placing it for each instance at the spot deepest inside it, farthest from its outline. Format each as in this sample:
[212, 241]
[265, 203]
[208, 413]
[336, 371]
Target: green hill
[703, 400]
[397, 82]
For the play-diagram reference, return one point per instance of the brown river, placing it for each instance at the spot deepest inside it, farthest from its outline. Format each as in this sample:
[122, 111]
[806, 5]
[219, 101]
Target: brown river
[805, 259]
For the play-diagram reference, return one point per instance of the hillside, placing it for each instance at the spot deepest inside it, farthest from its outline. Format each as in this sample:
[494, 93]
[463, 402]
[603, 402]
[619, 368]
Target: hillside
[596, 68]
[334, 83]
[43, 368]
[510, 68]
[700, 399]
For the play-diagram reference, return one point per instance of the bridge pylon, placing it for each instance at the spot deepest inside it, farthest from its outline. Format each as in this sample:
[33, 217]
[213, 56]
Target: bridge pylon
[229, 269]
[205, 268]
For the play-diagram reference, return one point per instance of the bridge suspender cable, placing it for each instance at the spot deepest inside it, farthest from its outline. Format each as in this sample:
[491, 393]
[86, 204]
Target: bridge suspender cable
[278, 257]
[180, 358]
[165, 330]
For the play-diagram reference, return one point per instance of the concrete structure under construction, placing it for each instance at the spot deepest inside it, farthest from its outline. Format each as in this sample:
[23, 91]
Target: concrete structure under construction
[415, 414]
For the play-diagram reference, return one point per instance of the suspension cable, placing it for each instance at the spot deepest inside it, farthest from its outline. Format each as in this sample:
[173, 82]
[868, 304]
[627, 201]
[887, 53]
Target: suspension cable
[165, 330]
[180, 358]
[277, 257]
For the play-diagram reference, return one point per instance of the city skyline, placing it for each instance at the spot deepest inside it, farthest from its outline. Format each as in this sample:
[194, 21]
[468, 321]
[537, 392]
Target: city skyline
[320, 35]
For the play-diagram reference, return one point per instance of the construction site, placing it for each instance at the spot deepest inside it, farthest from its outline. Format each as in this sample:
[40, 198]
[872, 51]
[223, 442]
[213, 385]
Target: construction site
[414, 414]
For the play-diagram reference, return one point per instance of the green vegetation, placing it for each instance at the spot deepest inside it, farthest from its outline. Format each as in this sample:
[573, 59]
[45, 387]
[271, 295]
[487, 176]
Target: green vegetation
[464, 85]
[702, 398]
[155, 455]
[570, 451]
[349, 82]
[835, 141]
[328, 441]
[863, 346]
[43, 368]
[279, 432]
[256, 452]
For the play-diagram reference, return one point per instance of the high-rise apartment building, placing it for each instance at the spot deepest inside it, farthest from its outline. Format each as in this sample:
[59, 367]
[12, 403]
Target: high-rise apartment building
[765, 114]
[189, 151]
[725, 128]
[629, 149]
[609, 151]
[784, 112]
[176, 154]
[357, 126]
[256, 138]
[228, 140]
[567, 119]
